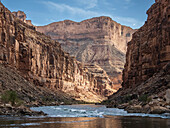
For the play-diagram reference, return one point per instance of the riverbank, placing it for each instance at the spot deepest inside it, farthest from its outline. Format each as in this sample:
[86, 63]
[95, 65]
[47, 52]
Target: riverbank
[152, 96]
[91, 116]
[24, 94]
[19, 111]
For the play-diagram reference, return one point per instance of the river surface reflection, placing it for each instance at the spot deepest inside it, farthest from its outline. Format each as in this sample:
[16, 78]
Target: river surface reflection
[85, 122]
[86, 116]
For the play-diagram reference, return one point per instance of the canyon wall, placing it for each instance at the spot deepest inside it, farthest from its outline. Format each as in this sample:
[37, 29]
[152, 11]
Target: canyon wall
[100, 41]
[42, 61]
[149, 49]
[146, 77]
[100, 30]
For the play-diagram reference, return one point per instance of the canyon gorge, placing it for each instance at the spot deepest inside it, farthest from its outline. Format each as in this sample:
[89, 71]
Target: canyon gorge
[42, 62]
[99, 44]
[93, 60]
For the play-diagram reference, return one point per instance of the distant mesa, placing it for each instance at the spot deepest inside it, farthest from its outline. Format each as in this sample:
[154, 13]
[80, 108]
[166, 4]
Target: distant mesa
[99, 40]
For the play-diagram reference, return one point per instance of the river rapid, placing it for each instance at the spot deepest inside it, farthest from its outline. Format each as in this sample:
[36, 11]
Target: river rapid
[87, 116]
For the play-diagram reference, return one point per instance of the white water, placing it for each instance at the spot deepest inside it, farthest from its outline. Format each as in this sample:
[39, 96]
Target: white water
[89, 111]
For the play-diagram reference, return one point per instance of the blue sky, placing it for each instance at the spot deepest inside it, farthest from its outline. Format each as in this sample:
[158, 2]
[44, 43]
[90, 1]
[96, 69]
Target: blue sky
[126, 12]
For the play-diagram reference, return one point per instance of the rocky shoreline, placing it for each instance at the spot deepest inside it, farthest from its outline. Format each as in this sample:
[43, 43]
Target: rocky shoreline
[28, 94]
[19, 111]
[152, 96]
[143, 109]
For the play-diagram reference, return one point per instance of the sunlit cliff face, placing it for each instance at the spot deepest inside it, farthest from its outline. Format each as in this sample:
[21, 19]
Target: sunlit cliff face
[100, 41]
[43, 62]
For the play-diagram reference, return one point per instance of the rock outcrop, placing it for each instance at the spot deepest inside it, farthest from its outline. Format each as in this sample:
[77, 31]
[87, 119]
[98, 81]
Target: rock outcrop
[146, 77]
[42, 61]
[22, 16]
[100, 41]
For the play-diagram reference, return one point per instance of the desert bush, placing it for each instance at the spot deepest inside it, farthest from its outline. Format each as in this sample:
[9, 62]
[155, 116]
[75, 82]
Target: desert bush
[10, 97]
[143, 98]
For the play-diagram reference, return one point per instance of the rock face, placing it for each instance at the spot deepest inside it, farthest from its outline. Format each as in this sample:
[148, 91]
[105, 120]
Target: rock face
[100, 41]
[31, 95]
[149, 50]
[100, 30]
[43, 62]
[146, 77]
[22, 16]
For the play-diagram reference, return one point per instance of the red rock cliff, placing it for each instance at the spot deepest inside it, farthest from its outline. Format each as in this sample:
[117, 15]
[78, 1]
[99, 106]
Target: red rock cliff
[22, 16]
[100, 41]
[43, 62]
[102, 30]
[149, 49]
[146, 77]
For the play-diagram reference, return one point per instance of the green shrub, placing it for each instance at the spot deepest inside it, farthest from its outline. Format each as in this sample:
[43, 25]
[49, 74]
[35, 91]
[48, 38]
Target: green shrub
[127, 98]
[10, 97]
[48, 99]
[130, 102]
[143, 98]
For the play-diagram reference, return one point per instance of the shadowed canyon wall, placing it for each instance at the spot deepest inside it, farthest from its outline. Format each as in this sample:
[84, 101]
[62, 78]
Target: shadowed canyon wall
[146, 77]
[149, 49]
[43, 62]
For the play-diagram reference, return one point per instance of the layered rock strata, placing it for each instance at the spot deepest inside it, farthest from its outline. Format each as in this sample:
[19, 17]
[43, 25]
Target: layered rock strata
[146, 77]
[101, 30]
[149, 49]
[43, 62]
[31, 95]
[100, 41]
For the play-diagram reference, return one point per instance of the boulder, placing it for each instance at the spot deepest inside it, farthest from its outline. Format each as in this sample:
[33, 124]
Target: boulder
[159, 110]
[167, 96]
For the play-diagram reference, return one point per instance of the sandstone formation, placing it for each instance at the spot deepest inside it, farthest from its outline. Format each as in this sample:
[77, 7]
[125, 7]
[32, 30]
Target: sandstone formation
[42, 61]
[31, 95]
[146, 77]
[100, 41]
[149, 50]
[100, 30]
[22, 16]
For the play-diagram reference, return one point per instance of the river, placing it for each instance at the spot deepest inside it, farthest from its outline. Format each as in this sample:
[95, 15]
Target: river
[86, 116]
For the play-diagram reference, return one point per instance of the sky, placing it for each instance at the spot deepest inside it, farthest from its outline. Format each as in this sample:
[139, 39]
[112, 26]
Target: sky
[42, 12]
